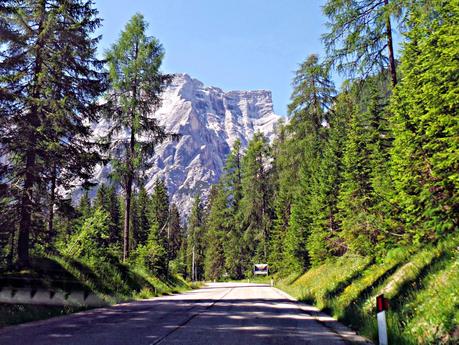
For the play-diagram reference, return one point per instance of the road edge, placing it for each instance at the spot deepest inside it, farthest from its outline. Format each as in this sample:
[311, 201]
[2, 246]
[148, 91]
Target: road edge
[328, 321]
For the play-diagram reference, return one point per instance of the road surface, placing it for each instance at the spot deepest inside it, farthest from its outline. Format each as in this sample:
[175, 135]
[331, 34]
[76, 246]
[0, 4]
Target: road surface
[219, 313]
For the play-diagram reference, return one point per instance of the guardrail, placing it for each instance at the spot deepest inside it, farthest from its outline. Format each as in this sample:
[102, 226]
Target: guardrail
[64, 292]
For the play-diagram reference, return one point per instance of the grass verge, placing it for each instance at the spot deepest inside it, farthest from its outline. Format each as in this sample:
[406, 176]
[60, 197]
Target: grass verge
[422, 285]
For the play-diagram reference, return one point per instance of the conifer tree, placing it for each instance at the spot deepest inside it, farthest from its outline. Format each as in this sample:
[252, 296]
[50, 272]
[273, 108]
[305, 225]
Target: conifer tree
[324, 241]
[143, 216]
[158, 220]
[136, 85]
[360, 38]
[85, 206]
[175, 233]
[425, 160]
[115, 216]
[101, 199]
[361, 223]
[256, 203]
[232, 186]
[216, 224]
[50, 81]
[310, 114]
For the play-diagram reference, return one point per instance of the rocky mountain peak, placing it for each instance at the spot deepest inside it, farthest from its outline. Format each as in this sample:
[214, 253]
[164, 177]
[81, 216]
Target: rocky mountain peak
[209, 120]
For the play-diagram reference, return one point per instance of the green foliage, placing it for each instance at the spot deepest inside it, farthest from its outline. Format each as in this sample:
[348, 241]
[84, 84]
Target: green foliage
[365, 171]
[92, 241]
[425, 163]
[359, 34]
[232, 187]
[134, 63]
[422, 287]
[151, 256]
[256, 209]
[50, 81]
[216, 224]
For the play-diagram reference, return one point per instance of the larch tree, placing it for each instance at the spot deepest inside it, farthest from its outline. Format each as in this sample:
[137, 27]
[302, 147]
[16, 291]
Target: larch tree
[360, 40]
[136, 85]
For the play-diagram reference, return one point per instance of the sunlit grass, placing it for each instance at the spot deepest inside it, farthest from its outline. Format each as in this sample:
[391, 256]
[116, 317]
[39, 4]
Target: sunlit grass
[422, 285]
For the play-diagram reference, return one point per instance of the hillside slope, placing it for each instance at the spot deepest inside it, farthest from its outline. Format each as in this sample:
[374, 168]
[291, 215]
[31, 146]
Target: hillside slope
[422, 286]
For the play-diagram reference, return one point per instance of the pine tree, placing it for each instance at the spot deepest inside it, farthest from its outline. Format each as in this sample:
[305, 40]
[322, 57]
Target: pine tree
[143, 215]
[232, 186]
[158, 221]
[256, 203]
[85, 206]
[361, 223]
[175, 233]
[425, 160]
[312, 98]
[323, 241]
[50, 81]
[101, 199]
[136, 84]
[286, 166]
[360, 33]
[216, 224]
[115, 217]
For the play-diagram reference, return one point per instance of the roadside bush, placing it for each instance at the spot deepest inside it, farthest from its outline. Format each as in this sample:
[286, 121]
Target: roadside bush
[91, 243]
[151, 256]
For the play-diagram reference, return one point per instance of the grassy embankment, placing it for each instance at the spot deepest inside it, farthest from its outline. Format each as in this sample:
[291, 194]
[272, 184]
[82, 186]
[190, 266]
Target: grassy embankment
[112, 282]
[422, 285]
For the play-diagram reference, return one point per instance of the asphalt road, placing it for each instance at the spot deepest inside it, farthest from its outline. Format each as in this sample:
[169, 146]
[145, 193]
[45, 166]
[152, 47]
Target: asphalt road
[220, 313]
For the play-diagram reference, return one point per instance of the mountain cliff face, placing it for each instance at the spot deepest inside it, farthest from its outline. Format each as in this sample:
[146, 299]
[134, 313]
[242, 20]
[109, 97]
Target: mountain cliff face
[209, 121]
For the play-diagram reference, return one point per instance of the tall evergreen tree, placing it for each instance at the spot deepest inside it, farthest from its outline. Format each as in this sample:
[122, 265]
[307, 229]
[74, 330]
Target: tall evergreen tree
[115, 216]
[216, 224]
[232, 186]
[143, 216]
[425, 159]
[174, 233]
[85, 206]
[101, 200]
[136, 85]
[312, 97]
[323, 240]
[50, 81]
[256, 203]
[360, 38]
[361, 223]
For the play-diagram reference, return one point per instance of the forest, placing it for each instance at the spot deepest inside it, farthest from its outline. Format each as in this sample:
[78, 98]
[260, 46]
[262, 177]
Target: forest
[367, 170]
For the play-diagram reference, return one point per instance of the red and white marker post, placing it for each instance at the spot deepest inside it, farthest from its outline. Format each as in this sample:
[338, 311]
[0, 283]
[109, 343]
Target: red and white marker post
[382, 304]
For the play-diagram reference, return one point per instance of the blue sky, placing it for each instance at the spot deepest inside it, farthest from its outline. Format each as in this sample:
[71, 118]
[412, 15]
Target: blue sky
[231, 44]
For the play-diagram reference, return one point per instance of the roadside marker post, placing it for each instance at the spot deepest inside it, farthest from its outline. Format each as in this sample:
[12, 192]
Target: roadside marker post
[382, 304]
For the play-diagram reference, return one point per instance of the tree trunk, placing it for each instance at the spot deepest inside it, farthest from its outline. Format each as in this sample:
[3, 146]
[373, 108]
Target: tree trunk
[52, 201]
[127, 218]
[30, 155]
[390, 46]
[26, 210]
